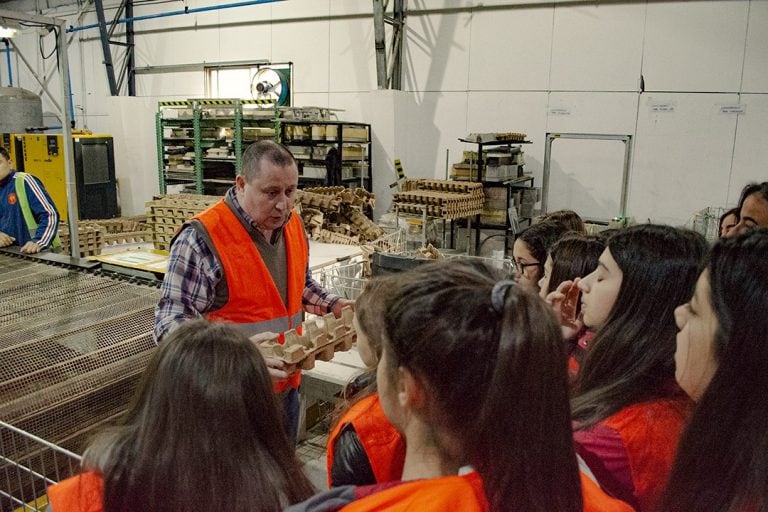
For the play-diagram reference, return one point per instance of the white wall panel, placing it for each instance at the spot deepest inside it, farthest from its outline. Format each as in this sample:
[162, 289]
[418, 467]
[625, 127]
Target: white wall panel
[255, 14]
[751, 149]
[177, 47]
[597, 47]
[171, 85]
[132, 126]
[490, 111]
[436, 52]
[300, 9]
[311, 99]
[434, 123]
[306, 44]
[510, 49]
[592, 112]
[352, 64]
[694, 46]
[249, 43]
[756, 60]
[682, 157]
[586, 175]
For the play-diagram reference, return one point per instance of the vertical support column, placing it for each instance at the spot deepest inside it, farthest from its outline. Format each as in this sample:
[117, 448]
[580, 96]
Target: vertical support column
[380, 44]
[130, 41]
[160, 151]
[66, 131]
[105, 47]
[198, 148]
[396, 75]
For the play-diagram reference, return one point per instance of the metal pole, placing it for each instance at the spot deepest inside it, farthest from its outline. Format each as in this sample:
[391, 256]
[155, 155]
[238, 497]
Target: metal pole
[105, 48]
[66, 130]
[380, 45]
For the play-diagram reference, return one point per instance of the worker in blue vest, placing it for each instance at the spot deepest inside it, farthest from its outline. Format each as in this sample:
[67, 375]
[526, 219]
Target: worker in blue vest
[28, 217]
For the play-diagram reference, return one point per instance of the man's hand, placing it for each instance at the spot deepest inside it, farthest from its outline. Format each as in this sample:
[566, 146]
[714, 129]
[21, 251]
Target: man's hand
[6, 240]
[279, 370]
[341, 304]
[31, 248]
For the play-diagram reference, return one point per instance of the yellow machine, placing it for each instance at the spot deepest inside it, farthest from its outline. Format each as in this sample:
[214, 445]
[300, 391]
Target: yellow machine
[42, 155]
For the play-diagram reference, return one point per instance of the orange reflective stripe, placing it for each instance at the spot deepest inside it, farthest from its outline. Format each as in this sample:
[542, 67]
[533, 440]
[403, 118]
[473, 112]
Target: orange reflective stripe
[253, 295]
[381, 441]
[464, 493]
[81, 493]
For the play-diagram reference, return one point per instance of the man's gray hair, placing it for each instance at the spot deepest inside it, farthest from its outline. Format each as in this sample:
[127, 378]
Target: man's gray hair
[268, 150]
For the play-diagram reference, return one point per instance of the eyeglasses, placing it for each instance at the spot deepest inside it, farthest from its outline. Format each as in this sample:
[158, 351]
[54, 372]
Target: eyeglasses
[522, 266]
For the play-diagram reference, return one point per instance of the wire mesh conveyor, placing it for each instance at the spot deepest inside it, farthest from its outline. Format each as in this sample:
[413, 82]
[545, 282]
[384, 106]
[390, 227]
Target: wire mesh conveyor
[72, 347]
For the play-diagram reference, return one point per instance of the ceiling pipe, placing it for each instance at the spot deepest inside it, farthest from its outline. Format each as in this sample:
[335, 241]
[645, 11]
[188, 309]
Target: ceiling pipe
[176, 13]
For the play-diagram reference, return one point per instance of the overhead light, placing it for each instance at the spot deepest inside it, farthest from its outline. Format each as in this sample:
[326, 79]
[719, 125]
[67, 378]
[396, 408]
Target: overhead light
[9, 28]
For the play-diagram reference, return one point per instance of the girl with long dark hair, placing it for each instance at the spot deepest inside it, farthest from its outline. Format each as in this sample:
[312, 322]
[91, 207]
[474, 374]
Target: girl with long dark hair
[721, 357]
[627, 408]
[204, 432]
[472, 374]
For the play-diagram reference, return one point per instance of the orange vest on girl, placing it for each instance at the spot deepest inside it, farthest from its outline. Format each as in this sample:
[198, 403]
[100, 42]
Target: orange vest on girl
[464, 493]
[381, 441]
[254, 301]
[81, 493]
[649, 433]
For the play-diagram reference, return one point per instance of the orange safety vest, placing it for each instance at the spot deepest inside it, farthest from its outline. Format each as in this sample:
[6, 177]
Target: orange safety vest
[381, 441]
[464, 493]
[81, 493]
[650, 432]
[254, 303]
[595, 500]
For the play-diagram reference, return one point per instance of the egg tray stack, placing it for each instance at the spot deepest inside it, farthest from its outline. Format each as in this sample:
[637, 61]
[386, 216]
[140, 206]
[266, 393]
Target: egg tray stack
[332, 215]
[125, 230]
[90, 237]
[166, 214]
[442, 198]
[319, 339]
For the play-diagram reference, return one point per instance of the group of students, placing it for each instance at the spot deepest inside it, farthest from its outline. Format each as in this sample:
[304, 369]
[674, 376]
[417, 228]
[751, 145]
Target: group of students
[618, 373]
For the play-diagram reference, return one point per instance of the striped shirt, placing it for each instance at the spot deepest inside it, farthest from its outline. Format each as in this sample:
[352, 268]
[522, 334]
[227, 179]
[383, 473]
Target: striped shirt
[40, 203]
[189, 289]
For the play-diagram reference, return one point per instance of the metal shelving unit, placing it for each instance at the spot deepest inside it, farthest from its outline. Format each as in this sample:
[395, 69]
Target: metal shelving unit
[329, 152]
[511, 185]
[196, 127]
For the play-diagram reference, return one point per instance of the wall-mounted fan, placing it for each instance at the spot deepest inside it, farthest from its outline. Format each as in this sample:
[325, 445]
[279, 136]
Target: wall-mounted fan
[270, 84]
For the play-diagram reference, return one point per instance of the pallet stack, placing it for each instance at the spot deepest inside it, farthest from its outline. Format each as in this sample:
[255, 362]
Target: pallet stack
[166, 214]
[333, 215]
[90, 238]
[125, 230]
[442, 198]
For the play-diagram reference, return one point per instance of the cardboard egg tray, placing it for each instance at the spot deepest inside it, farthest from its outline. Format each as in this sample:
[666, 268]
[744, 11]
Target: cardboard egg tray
[319, 340]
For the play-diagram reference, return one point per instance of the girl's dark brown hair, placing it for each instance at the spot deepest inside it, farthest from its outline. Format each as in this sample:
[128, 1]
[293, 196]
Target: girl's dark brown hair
[493, 368]
[631, 359]
[722, 461]
[574, 256]
[569, 219]
[204, 432]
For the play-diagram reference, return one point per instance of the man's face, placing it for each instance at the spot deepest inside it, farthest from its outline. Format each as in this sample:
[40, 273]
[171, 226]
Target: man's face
[268, 198]
[5, 167]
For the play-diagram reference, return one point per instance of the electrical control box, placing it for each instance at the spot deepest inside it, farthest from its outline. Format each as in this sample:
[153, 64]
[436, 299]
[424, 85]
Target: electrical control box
[42, 155]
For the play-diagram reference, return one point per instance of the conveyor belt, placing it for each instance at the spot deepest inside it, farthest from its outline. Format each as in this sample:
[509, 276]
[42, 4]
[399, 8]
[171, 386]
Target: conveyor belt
[73, 344]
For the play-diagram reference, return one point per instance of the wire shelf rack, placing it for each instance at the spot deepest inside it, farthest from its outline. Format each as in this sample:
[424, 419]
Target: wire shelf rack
[28, 465]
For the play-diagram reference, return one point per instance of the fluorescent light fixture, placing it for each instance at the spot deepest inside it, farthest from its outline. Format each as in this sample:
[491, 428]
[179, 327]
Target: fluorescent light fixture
[9, 28]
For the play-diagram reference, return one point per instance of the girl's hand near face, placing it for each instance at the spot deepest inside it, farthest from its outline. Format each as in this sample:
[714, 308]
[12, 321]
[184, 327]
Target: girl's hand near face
[564, 301]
